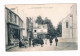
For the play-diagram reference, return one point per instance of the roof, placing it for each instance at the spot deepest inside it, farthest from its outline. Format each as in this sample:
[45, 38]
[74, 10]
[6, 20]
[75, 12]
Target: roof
[14, 13]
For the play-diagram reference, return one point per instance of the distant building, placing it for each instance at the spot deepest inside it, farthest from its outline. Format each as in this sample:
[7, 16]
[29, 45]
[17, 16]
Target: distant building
[13, 27]
[29, 27]
[69, 24]
[39, 30]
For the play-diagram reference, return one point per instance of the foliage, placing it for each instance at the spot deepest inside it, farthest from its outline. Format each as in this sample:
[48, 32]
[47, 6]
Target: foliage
[59, 29]
[39, 20]
[51, 29]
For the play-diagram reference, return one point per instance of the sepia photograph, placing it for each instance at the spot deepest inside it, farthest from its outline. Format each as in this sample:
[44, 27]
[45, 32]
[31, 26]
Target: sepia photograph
[41, 27]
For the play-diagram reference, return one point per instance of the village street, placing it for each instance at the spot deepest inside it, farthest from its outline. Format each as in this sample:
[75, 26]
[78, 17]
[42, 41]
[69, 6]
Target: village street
[62, 45]
[37, 27]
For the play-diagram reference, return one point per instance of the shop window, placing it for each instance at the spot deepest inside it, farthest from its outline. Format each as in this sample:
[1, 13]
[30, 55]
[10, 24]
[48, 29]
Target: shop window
[12, 18]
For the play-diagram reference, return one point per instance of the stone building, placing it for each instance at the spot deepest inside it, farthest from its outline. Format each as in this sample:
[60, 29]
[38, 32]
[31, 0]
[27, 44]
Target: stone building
[13, 27]
[39, 30]
[29, 28]
[35, 30]
[69, 24]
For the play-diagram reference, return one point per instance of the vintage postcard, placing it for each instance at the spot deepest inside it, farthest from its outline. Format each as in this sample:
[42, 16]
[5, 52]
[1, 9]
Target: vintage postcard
[41, 27]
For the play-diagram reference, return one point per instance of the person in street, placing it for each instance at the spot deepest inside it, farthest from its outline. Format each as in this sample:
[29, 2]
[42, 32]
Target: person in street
[21, 44]
[33, 42]
[56, 40]
[50, 40]
[45, 41]
[29, 42]
[41, 42]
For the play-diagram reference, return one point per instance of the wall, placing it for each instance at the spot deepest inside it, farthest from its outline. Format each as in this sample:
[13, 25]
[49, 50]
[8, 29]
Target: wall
[71, 31]
[14, 21]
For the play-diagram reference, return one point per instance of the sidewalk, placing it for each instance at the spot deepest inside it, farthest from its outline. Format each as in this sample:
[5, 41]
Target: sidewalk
[9, 47]
[67, 39]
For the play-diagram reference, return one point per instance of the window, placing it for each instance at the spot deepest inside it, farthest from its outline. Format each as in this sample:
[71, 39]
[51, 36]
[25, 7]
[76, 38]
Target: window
[39, 26]
[44, 26]
[34, 30]
[66, 24]
[15, 18]
[10, 16]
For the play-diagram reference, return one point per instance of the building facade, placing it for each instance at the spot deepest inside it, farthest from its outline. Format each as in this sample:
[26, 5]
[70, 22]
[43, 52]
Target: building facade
[69, 24]
[35, 30]
[40, 30]
[29, 29]
[13, 27]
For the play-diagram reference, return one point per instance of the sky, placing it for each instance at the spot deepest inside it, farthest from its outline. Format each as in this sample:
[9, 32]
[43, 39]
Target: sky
[54, 12]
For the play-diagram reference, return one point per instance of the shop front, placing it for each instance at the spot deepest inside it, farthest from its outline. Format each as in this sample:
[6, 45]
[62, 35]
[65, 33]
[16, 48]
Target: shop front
[13, 34]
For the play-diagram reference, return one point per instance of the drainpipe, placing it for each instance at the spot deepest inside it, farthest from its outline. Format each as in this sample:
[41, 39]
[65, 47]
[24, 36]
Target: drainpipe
[72, 25]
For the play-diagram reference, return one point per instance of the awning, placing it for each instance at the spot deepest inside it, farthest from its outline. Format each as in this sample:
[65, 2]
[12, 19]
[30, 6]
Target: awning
[21, 28]
[15, 26]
